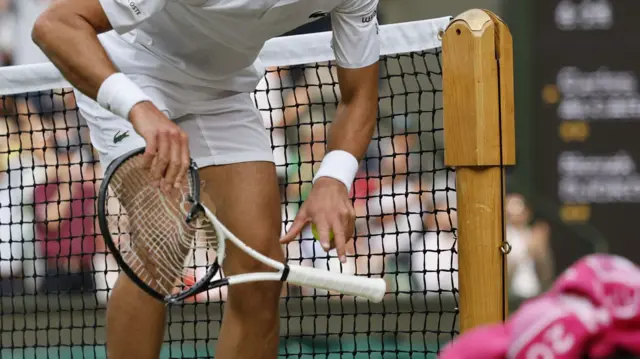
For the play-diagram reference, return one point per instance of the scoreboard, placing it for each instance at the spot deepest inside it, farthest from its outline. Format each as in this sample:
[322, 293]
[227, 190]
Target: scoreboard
[586, 68]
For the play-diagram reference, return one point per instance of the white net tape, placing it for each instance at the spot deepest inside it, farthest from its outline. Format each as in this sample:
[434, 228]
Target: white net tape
[283, 51]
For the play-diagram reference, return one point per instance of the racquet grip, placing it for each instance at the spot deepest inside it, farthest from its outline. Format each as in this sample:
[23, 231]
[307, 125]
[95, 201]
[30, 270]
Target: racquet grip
[370, 288]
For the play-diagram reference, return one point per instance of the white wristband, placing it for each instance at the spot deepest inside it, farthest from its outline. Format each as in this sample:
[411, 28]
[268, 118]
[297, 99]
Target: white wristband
[340, 165]
[119, 94]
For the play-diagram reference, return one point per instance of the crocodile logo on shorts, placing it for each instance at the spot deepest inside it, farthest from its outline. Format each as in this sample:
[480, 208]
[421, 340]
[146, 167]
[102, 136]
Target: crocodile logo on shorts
[120, 136]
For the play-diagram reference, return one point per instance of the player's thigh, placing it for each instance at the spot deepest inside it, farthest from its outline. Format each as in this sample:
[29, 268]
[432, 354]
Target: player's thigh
[231, 146]
[247, 201]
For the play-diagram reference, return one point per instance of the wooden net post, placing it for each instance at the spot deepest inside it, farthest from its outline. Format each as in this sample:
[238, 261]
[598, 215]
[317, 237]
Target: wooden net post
[479, 137]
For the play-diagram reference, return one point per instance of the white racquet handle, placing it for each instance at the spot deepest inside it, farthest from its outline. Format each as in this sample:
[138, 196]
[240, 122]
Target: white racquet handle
[370, 288]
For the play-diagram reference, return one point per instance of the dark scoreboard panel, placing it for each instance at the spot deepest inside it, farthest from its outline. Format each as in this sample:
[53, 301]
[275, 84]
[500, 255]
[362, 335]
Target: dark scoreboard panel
[587, 120]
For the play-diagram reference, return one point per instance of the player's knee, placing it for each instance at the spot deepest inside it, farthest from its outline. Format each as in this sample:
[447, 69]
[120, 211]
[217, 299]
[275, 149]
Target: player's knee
[256, 294]
[256, 302]
[242, 264]
[266, 244]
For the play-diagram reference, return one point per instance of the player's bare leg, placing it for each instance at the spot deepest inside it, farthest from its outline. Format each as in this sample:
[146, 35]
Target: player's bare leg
[247, 201]
[135, 322]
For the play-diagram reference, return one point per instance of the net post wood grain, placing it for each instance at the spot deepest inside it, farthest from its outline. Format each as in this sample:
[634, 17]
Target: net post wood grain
[479, 135]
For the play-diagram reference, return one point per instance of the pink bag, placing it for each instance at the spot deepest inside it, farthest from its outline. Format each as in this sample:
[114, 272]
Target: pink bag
[593, 309]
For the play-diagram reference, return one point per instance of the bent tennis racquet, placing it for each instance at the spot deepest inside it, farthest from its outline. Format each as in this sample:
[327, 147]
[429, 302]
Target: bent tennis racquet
[155, 237]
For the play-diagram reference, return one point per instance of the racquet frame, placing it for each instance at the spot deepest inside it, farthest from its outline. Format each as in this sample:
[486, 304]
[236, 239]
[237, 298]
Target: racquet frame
[371, 288]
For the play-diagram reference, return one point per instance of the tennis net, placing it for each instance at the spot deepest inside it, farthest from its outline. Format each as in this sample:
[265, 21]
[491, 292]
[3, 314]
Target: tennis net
[57, 274]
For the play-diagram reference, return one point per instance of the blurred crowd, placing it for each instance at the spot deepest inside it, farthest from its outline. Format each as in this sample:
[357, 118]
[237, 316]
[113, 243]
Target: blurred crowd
[16, 20]
[404, 196]
[48, 184]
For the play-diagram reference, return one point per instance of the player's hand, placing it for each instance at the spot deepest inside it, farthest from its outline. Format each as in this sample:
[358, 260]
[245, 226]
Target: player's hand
[330, 209]
[167, 154]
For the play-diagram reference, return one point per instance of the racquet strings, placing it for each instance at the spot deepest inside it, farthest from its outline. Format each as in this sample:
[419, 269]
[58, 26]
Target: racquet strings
[150, 231]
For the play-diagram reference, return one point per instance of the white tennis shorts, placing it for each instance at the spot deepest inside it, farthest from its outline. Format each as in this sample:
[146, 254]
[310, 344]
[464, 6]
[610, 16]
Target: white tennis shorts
[223, 127]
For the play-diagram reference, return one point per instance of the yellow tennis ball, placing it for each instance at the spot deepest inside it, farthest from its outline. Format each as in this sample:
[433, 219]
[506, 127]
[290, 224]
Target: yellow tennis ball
[314, 230]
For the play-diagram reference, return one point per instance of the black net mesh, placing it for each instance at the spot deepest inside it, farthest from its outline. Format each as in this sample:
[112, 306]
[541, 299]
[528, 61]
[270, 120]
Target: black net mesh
[56, 273]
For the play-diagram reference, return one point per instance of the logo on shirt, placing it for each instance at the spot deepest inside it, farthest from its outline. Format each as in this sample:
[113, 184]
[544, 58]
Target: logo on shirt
[367, 19]
[135, 8]
[120, 136]
[318, 14]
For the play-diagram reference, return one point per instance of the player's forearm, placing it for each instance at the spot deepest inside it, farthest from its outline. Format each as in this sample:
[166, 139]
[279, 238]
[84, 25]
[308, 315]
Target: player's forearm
[355, 120]
[354, 125]
[71, 43]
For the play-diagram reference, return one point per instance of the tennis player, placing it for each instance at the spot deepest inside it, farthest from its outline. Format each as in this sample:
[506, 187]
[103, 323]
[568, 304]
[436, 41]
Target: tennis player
[176, 75]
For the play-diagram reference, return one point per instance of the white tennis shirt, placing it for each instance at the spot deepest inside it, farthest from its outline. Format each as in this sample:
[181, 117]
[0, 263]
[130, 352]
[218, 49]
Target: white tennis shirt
[215, 43]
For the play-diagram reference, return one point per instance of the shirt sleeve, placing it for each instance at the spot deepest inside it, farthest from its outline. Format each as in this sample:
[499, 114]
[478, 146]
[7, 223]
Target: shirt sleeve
[355, 33]
[126, 15]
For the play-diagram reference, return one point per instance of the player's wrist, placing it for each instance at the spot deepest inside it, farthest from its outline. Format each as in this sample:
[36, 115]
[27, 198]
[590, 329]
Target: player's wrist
[339, 165]
[120, 95]
[329, 182]
[141, 112]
